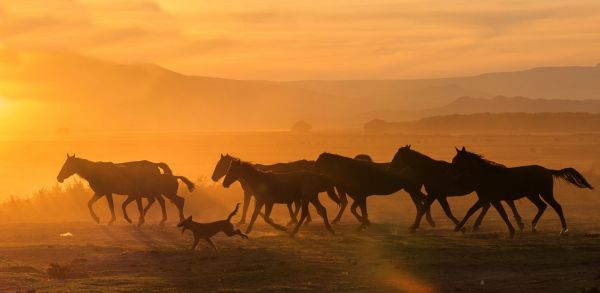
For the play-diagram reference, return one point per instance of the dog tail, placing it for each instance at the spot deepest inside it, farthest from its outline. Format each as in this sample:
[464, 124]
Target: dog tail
[237, 207]
[190, 184]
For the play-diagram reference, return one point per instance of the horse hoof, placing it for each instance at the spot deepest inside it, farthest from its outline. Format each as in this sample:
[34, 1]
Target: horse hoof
[512, 234]
[463, 230]
[96, 219]
[521, 227]
[412, 230]
[564, 232]
[432, 224]
[335, 221]
[475, 228]
[457, 228]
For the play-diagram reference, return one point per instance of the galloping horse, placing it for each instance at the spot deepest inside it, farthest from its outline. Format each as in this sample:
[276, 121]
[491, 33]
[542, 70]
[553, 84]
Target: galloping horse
[302, 165]
[271, 188]
[495, 182]
[360, 179]
[439, 181]
[106, 178]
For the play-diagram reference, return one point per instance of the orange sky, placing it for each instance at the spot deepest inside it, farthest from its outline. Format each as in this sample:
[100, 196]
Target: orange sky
[283, 40]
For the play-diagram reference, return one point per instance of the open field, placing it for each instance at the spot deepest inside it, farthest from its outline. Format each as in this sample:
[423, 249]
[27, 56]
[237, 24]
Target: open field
[384, 258]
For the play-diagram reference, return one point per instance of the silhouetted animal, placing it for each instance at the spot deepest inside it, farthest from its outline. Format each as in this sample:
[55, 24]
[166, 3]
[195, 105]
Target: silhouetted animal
[106, 178]
[382, 166]
[302, 165]
[207, 230]
[495, 182]
[143, 170]
[360, 179]
[270, 188]
[439, 181]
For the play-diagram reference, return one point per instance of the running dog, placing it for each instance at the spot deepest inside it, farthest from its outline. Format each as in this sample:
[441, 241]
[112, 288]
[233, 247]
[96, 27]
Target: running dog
[207, 230]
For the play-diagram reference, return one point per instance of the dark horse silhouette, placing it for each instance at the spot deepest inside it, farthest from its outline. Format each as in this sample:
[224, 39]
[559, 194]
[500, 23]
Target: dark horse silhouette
[495, 182]
[106, 178]
[360, 179]
[383, 166]
[146, 169]
[302, 165]
[439, 182]
[270, 188]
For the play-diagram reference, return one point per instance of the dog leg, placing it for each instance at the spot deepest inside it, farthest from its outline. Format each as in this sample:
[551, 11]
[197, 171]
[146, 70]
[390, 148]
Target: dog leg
[211, 243]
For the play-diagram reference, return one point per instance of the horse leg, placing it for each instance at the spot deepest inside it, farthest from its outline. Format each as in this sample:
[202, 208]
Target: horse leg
[161, 202]
[353, 210]
[247, 199]
[151, 200]
[308, 217]
[549, 198]
[141, 219]
[541, 205]
[257, 207]
[322, 211]
[363, 210]
[484, 210]
[502, 212]
[91, 202]
[267, 218]
[426, 205]
[446, 207]
[418, 197]
[511, 204]
[480, 203]
[179, 202]
[343, 205]
[111, 207]
[124, 207]
[302, 218]
[293, 212]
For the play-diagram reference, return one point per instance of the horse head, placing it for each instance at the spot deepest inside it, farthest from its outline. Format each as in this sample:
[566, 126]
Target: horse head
[221, 167]
[233, 172]
[68, 169]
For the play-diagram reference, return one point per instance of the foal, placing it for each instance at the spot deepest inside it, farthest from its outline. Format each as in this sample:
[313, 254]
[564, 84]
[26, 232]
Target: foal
[494, 183]
[271, 188]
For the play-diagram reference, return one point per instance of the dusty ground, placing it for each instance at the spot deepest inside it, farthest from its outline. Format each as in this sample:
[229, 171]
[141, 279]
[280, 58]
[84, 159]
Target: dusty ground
[384, 258]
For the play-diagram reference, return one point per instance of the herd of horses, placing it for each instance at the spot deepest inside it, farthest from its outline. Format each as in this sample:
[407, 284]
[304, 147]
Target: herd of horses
[298, 185]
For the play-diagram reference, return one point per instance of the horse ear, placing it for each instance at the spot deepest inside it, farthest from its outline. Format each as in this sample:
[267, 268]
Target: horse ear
[408, 146]
[463, 149]
[68, 155]
[222, 155]
[73, 155]
[457, 150]
[189, 218]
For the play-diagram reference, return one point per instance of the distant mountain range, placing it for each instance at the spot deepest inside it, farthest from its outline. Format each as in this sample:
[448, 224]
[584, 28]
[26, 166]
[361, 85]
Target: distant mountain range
[499, 104]
[496, 123]
[86, 93]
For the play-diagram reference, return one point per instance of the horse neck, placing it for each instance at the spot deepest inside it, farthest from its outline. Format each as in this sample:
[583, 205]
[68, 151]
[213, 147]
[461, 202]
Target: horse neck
[425, 164]
[250, 175]
[86, 169]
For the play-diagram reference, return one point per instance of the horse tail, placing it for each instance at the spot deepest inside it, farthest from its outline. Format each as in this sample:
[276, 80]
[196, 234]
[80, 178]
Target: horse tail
[572, 176]
[165, 168]
[190, 184]
[237, 207]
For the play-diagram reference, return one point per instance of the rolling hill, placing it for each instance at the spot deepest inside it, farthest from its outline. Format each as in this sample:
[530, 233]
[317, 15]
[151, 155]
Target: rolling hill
[84, 93]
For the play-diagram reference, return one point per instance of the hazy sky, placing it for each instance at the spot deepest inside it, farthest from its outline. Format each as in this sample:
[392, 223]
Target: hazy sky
[346, 39]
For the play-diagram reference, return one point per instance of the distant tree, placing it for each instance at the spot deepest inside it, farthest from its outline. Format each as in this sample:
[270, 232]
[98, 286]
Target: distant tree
[301, 127]
[376, 126]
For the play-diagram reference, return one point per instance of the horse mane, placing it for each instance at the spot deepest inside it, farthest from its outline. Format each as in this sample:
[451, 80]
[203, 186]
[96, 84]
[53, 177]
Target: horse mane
[363, 157]
[483, 160]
